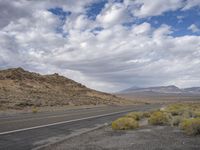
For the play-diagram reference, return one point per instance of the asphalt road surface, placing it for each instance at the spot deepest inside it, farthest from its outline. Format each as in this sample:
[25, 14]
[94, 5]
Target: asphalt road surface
[29, 131]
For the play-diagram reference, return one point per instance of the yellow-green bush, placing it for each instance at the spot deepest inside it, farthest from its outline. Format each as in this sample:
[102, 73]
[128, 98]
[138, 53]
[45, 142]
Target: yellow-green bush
[185, 109]
[158, 118]
[175, 109]
[188, 113]
[176, 120]
[191, 126]
[125, 123]
[146, 114]
[135, 115]
[34, 110]
[197, 114]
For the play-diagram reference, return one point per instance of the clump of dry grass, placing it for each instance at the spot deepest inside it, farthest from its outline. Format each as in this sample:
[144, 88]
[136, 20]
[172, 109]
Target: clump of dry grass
[176, 120]
[191, 126]
[34, 110]
[158, 118]
[125, 123]
[146, 114]
[197, 114]
[175, 109]
[182, 109]
[135, 115]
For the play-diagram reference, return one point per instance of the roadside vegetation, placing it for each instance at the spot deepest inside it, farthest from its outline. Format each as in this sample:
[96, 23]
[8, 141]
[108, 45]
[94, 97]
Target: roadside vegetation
[191, 126]
[185, 116]
[158, 118]
[125, 123]
[34, 110]
[135, 115]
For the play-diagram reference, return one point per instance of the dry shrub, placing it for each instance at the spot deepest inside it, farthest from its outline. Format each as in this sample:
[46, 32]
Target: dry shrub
[146, 114]
[197, 114]
[34, 110]
[175, 109]
[125, 123]
[185, 109]
[176, 120]
[191, 126]
[135, 115]
[158, 118]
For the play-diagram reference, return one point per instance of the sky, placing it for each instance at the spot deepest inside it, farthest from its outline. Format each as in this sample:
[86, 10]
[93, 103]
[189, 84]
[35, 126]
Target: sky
[107, 45]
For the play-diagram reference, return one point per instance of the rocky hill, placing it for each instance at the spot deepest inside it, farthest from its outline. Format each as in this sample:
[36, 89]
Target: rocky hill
[20, 89]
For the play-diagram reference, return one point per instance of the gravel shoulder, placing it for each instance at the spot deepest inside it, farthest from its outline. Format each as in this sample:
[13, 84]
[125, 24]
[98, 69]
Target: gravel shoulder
[145, 138]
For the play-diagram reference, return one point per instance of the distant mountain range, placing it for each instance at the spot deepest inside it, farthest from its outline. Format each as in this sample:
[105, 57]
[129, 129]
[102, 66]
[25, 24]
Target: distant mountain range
[20, 89]
[162, 89]
[192, 89]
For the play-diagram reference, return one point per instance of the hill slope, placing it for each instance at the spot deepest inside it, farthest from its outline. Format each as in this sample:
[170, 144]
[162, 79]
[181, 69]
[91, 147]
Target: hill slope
[20, 89]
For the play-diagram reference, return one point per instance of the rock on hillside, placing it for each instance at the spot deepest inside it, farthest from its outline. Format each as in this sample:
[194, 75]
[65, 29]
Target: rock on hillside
[20, 89]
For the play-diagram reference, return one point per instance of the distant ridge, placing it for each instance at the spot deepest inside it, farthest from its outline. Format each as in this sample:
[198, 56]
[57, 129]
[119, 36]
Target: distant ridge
[20, 88]
[192, 89]
[159, 94]
[161, 89]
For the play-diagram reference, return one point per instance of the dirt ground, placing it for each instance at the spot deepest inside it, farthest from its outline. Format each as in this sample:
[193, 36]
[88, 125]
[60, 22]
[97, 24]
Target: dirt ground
[145, 138]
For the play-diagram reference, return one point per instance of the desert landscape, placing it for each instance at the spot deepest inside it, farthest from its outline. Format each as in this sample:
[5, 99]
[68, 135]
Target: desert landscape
[28, 91]
[164, 112]
[99, 75]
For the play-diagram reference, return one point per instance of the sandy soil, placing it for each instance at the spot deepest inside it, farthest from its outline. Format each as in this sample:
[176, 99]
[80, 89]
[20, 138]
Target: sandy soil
[145, 138]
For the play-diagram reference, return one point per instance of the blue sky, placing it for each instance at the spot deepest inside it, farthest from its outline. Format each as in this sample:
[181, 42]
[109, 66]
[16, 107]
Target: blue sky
[178, 19]
[94, 9]
[108, 45]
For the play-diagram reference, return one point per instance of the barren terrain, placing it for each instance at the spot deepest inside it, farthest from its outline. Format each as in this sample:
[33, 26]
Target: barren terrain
[146, 138]
[20, 89]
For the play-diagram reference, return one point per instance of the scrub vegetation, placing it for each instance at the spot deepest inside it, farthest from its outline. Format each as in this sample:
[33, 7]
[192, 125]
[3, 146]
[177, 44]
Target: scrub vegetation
[34, 110]
[191, 126]
[125, 123]
[158, 118]
[135, 115]
[185, 116]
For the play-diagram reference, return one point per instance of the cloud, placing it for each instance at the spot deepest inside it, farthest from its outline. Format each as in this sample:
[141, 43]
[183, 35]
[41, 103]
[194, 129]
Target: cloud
[113, 14]
[193, 28]
[12, 11]
[143, 28]
[191, 3]
[162, 31]
[146, 8]
[102, 53]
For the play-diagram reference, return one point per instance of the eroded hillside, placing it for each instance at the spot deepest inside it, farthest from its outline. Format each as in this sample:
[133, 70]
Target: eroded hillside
[20, 89]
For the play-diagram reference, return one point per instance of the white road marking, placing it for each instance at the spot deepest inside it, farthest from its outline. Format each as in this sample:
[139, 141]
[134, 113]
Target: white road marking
[62, 122]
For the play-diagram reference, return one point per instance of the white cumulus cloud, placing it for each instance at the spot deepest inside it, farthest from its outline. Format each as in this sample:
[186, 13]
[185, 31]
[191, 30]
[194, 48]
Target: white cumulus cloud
[102, 53]
[193, 28]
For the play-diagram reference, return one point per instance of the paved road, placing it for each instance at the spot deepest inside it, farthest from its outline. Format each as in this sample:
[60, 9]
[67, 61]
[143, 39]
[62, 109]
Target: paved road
[28, 131]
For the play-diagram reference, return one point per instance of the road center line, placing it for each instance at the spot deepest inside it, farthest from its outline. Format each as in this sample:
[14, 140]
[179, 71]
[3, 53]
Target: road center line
[62, 122]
